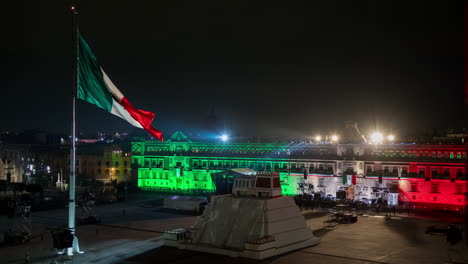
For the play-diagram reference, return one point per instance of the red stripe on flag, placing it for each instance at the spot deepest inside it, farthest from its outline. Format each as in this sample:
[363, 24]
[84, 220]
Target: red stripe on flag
[143, 117]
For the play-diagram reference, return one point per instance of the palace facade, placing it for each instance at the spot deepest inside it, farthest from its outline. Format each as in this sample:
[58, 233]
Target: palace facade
[422, 175]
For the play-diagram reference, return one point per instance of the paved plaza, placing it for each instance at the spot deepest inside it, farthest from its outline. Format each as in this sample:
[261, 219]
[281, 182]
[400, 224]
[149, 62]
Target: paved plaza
[134, 236]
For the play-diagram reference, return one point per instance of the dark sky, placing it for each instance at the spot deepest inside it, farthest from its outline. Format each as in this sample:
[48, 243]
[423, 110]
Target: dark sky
[288, 69]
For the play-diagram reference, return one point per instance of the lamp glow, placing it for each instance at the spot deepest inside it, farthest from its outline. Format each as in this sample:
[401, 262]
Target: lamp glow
[224, 137]
[391, 138]
[334, 138]
[377, 137]
[318, 138]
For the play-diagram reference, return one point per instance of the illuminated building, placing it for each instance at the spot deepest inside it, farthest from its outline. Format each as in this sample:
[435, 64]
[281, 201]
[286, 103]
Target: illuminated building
[32, 163]
[415, 174]
[103, 162]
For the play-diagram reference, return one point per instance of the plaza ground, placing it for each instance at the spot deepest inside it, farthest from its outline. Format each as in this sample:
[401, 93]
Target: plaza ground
[134, 236]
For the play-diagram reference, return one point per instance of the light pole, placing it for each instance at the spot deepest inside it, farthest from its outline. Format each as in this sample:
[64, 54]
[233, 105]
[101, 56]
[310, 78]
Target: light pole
[110, 174]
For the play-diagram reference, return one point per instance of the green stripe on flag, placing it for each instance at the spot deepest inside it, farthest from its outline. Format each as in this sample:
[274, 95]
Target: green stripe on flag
[91, 85]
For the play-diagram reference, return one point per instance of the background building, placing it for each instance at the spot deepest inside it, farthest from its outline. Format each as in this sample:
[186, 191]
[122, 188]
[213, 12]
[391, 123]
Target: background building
[103, 162]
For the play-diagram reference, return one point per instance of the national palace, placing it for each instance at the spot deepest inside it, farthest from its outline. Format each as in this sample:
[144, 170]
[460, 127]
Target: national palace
[416, 174]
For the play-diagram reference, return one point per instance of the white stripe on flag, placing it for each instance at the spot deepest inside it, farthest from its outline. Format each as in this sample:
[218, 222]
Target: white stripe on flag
[118, 110]
[111, 87]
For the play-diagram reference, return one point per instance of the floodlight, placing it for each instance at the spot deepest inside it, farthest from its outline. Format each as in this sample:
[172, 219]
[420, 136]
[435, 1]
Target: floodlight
[224, 137]
[377, 137]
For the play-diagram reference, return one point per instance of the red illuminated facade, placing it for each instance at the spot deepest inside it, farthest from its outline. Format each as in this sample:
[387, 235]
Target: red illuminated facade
[428, 176]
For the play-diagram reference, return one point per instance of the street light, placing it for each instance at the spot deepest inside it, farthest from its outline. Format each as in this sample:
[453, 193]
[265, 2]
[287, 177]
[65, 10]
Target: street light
[377, 137]
[110, 173]
[224, 137]
[318, 138]
[334, 138]
[391, 138]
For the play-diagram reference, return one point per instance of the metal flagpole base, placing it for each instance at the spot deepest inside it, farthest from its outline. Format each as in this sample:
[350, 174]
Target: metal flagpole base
[75, 248]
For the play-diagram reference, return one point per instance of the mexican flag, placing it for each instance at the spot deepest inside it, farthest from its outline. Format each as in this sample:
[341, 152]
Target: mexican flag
[94, 86]
[347, 179]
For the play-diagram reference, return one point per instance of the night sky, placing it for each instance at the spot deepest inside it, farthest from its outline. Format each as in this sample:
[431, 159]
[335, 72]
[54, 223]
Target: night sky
[285, 70]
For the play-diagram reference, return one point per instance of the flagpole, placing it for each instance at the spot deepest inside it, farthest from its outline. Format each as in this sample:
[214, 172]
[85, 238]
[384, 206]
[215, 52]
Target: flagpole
[71, 199]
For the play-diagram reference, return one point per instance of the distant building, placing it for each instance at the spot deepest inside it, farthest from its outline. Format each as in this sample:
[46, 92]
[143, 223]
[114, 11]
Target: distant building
[34, 163]
[103, 162]
[212, 125]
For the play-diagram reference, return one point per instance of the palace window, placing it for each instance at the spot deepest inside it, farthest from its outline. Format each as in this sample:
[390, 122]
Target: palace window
[321, 182]
[447, 172]
[451, 155]
[276, 183]
[414, 187]
[263, 183]
[434, 188]
[421, 172]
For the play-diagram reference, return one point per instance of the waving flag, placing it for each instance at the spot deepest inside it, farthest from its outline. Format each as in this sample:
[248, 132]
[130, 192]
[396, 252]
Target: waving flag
[94, 86]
